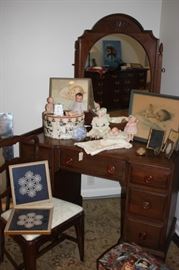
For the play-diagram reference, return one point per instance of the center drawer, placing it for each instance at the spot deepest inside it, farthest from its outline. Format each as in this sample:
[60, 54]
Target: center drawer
[100, 166]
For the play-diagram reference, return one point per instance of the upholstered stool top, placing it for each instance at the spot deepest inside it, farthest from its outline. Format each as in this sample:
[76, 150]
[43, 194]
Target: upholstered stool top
[127, 256]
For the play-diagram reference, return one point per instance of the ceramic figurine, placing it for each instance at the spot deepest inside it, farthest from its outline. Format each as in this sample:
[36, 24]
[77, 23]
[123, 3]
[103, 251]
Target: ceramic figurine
[131, 127]
[100, 124]
[49, 107]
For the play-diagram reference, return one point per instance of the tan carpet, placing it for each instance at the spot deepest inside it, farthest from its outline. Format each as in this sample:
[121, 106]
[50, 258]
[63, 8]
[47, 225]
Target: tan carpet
[101, 231]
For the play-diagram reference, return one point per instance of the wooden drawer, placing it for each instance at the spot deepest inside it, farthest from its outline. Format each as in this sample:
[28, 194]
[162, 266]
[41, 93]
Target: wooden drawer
[93, 165]
[150, 176]
[146, 204]
[144, 234]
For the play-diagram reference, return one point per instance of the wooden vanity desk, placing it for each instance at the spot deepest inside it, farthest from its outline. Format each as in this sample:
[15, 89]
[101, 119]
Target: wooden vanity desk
[149, 185]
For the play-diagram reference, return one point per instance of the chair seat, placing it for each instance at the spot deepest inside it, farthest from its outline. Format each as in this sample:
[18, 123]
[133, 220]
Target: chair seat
[62, 211]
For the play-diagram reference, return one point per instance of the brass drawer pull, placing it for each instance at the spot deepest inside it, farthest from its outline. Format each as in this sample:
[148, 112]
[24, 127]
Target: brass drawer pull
[142, 236]
[111, 169]
[148, 179]
[146, 205]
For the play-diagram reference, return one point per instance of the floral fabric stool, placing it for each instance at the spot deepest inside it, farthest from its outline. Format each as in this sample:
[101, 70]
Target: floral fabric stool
[127, 256]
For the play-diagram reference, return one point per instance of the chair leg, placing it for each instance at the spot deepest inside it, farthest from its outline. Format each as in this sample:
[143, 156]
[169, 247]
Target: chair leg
[79, 227]
[2, 243]
[29, 256]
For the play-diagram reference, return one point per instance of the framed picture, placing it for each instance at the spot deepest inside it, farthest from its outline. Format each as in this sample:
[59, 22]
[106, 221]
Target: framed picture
[63, 91]
[154, 111]
[29, 221]
[30, 184]
[6, 130]
[171, 143]
[111, 53]
[155, 140]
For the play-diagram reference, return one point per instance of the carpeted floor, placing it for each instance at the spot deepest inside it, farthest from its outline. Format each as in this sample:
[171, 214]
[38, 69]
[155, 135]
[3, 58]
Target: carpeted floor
[101, 232]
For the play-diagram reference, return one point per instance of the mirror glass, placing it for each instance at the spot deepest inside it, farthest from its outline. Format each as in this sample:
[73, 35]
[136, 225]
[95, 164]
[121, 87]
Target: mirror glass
[131, 51]
[132, 56]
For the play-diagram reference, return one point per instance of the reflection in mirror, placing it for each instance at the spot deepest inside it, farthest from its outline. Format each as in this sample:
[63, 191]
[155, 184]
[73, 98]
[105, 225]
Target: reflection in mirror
[118, 55]
[131, 62]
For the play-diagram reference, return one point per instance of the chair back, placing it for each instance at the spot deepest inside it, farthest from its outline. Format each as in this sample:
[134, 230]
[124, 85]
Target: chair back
[7, 145]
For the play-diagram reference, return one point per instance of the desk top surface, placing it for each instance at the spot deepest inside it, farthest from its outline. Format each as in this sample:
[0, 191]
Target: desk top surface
[129, 155]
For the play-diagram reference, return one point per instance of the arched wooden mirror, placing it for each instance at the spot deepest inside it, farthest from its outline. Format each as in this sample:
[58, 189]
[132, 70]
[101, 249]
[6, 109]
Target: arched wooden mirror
[139, 59]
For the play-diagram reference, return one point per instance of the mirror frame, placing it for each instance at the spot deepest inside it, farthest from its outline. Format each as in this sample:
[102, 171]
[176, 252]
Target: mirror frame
[124, 24]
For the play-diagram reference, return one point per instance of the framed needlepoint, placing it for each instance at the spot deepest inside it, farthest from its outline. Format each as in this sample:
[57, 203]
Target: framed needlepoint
[29, 221]
[30, 184]
[32, 198]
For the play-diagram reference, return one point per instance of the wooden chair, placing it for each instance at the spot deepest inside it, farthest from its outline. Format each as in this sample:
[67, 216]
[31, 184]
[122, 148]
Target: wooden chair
[65, 215]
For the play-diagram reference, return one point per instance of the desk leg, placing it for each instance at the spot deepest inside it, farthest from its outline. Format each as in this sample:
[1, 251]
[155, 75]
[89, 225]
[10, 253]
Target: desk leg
[123, 212]
[67, 186]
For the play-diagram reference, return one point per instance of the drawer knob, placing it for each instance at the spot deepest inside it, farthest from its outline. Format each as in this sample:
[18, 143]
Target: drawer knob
[111, 169]
[68, 161]
[142, 236]
[146, 205]
[148, 179]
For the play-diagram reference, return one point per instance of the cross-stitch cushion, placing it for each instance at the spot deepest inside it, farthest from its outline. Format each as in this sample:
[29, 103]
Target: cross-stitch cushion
[127, 256]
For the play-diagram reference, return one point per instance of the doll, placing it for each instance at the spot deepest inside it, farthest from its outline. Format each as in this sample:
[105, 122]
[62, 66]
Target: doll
[49, 107]
[131, 127]
[78, 106]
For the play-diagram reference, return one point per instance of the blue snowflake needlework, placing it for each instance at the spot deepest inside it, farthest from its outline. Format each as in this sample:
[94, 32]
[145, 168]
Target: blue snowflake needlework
[30, 183]
[30, 219]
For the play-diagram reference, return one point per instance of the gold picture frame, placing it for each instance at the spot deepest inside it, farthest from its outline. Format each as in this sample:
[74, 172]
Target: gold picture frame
[171, 143]
[154, 111]
[63, 91]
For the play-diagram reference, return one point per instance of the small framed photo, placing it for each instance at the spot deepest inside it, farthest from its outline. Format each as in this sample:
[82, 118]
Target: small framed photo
[171, 143]
[156, 111]
[156, 140]
[29, 221]
[30, 184]
[64, 90]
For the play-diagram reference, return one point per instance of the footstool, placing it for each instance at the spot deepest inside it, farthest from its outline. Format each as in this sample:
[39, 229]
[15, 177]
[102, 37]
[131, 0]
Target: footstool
[127, 256]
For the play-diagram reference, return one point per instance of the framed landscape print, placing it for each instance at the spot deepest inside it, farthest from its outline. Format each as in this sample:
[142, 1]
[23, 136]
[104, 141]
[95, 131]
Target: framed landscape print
[63, 91]
[154, 111]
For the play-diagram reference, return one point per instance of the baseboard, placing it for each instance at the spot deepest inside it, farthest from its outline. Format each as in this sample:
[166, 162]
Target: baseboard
[175, 239]
[93, 187]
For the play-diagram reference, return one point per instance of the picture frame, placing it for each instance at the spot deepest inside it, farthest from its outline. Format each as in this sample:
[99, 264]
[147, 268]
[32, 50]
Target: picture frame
[63, 91]
[32, 199]
[171, 143]
[156, 140]
[30, 184]
[29, 221]
[156, 111]
[111, 53]
[6, 130]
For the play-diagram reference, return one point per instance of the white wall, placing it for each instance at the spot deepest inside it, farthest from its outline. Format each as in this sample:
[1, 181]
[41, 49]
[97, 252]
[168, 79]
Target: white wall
[37, 42]
[169, 34]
